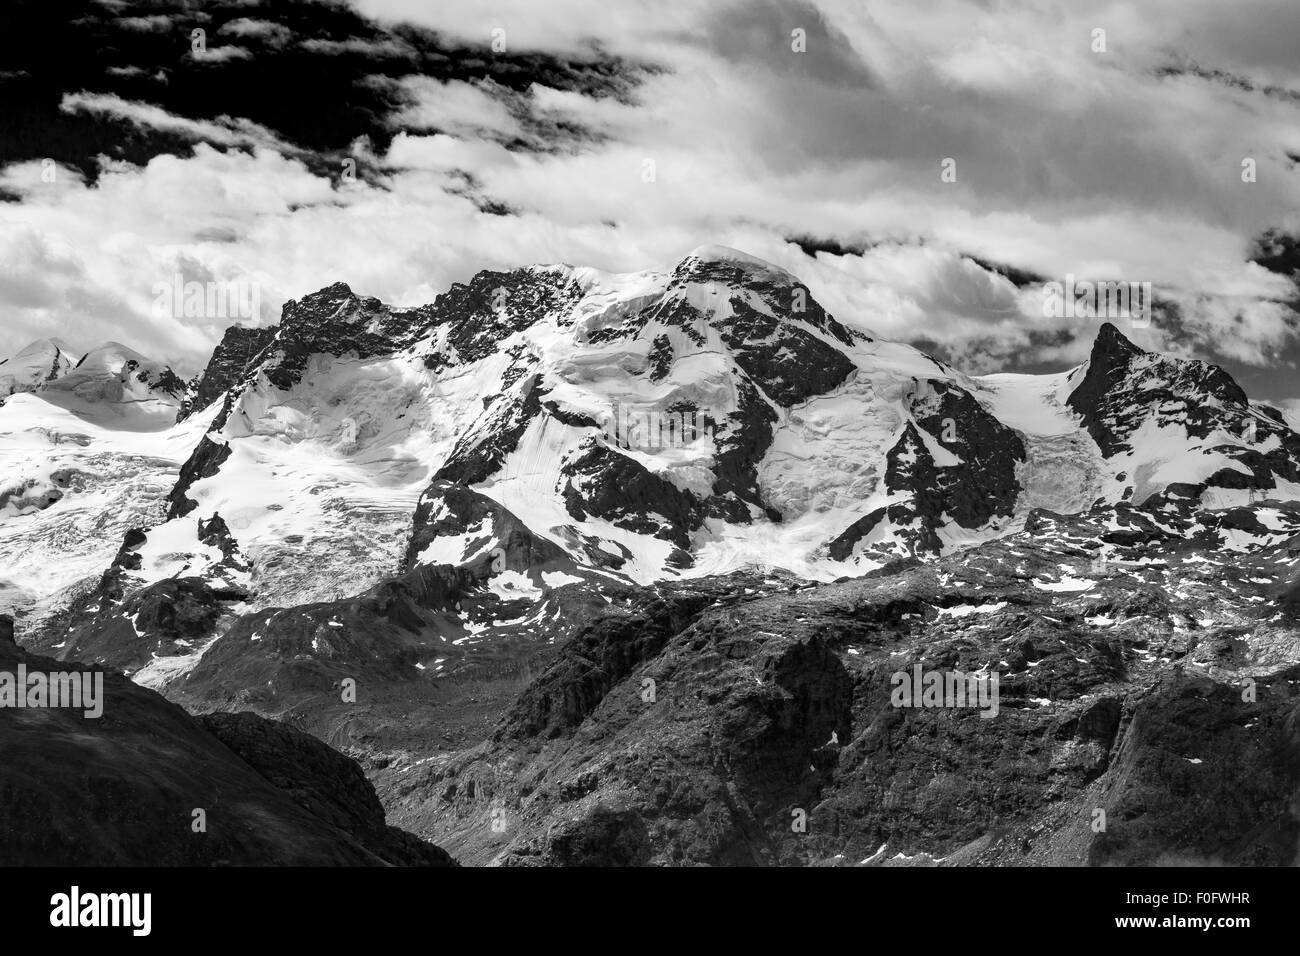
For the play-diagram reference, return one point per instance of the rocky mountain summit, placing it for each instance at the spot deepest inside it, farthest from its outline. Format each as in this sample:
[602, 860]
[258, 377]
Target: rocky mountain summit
[619, 569]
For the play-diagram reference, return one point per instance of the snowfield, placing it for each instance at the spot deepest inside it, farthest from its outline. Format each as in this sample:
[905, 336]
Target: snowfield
[76, 477]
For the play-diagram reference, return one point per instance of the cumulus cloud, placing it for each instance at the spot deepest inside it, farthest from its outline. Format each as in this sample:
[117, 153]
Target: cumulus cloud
[457, 107]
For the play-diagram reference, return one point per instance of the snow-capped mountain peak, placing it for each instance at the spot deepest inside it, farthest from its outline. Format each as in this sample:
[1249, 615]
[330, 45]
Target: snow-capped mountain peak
[41, 362]
[552, 425]
[1161, 422]
[113, 374]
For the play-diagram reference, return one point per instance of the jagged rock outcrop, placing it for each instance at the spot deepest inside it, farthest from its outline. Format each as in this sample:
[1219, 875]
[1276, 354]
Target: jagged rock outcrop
[232, 360]
[1140, 405]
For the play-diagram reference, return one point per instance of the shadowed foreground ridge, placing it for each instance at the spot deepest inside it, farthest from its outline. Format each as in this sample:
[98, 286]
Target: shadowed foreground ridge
[120, 790]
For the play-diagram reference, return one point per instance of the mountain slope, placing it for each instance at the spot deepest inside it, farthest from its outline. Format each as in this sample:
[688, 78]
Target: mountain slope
[123, 789]
[701, 722]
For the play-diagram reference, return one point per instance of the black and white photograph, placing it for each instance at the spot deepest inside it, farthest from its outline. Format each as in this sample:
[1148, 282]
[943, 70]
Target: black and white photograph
[611, 434]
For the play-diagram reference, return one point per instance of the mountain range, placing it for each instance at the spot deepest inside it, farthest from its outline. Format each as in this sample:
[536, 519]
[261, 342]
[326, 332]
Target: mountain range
[456, 541]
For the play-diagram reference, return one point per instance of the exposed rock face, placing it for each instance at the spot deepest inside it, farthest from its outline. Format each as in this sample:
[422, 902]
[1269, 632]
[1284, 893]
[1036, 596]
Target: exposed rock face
[206, 462]
[230, 364]
[280, 660]
[122, 790]
[625, 493]
[1108, 366]
[336, 321]
[169, 619]
[1203, 777]
[728, 751]
[1129, 398]
[478, 521]
[973, 483]
[475, 458]
[479, 317]
[702, 722]
[146, 624]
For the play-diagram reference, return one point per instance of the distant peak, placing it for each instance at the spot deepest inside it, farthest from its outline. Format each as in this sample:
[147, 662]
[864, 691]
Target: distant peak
[722, 264]
[113, 348]
[329, 293]
[112, 357]
[1111, 342]
[715, 253]
[328, 299]
[41, 347]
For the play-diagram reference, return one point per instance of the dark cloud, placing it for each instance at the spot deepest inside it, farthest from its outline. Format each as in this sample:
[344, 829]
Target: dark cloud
[765, 34]
[302, 69]
[1017, 277]
[811, 245]
[1230, 81]
[1279, 252]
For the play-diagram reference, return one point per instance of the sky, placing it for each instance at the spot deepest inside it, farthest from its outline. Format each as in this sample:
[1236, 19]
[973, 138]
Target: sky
[401, 146]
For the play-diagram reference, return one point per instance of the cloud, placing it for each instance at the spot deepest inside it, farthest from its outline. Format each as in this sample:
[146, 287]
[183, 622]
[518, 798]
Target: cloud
[134, 71]
[266, 31]
[1068, 161]
[65, 272]
[381, 48]
[457, 107]
[223, 130]
[1290, 408]
[157, 23]
[219, 54]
